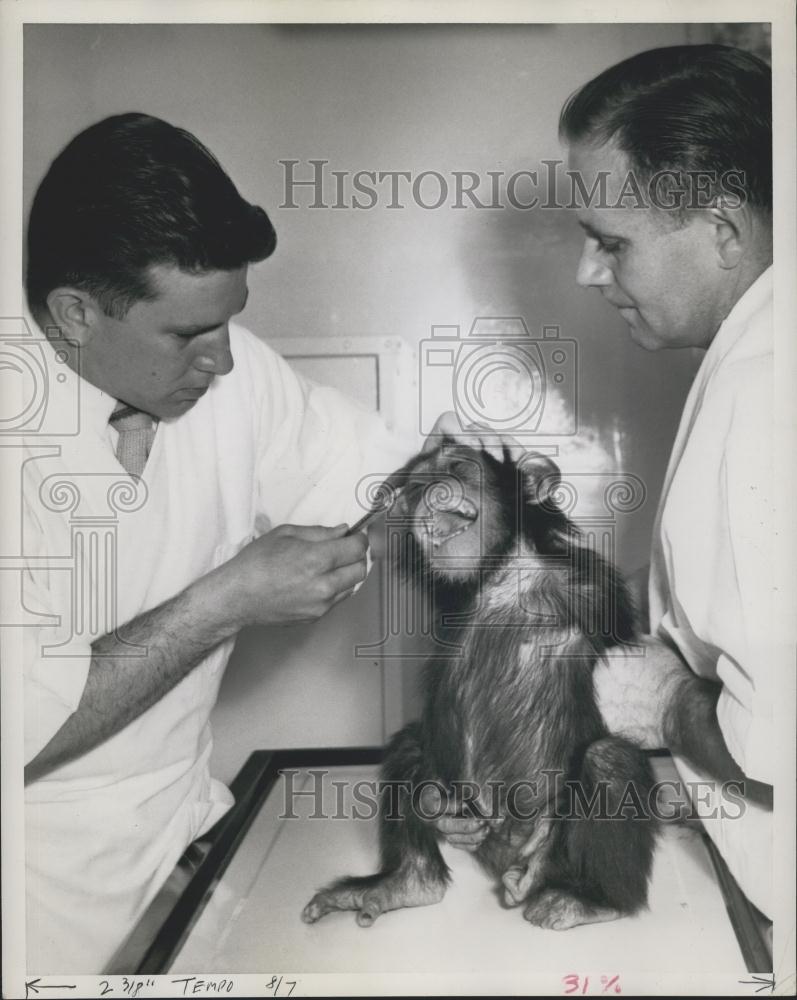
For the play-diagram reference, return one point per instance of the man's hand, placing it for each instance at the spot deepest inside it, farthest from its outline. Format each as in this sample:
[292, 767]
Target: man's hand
[293, 573]
[635, 694]
[290, 574]
[475, 436]
[658, 701]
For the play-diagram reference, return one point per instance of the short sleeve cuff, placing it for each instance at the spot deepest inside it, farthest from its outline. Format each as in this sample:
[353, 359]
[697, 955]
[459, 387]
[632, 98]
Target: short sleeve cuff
[53, 689]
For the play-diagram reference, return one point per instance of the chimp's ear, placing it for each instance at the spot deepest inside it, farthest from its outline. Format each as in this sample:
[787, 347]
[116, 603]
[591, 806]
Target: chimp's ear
[541, 477]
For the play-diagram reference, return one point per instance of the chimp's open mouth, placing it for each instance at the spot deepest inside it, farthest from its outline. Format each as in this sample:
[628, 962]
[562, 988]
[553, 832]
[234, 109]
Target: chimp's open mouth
[448, 523]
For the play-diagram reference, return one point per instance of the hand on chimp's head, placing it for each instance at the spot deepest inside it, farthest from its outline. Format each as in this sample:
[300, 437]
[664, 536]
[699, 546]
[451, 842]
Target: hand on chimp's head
[477, 436]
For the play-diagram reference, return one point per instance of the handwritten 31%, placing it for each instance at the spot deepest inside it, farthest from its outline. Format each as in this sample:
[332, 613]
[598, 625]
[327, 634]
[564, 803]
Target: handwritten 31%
[581, 984]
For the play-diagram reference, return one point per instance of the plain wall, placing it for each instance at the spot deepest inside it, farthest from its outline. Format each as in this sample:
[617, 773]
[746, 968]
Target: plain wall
[443, 98]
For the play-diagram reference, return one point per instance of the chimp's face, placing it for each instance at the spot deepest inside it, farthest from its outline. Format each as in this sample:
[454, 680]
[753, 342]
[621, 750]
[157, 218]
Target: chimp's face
[464, 505]
[457, 507]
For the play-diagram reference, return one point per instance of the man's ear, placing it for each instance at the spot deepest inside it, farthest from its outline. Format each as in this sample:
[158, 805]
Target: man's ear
[732, 233]
[75, 313]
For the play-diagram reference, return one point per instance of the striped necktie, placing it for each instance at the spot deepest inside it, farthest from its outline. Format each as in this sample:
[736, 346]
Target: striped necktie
[136, 434]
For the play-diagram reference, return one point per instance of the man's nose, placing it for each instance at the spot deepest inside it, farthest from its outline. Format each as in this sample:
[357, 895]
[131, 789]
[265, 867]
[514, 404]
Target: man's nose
[214, 355]
[592, 271]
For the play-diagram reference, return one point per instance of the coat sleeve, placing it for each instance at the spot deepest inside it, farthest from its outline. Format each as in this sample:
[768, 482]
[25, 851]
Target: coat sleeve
[718, 530]
[55, 663]
[747, 664]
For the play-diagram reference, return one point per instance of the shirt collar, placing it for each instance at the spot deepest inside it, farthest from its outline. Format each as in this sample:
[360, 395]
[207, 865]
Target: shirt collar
[757, 297]
[96, 407]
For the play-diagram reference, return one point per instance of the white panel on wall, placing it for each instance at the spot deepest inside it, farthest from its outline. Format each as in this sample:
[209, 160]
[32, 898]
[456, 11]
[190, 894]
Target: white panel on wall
[356, 375]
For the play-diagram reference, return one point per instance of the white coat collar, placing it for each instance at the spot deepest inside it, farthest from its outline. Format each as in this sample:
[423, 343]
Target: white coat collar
[757, 297]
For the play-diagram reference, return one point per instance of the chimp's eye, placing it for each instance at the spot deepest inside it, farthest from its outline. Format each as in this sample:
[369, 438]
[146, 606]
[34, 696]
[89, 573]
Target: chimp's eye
[462, 468]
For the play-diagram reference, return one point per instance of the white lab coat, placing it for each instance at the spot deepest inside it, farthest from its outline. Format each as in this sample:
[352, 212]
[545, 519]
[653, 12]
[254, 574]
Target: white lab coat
[261, 448]
[711, 586]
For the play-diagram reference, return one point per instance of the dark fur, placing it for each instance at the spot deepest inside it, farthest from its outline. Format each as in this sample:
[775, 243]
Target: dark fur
[492, 715]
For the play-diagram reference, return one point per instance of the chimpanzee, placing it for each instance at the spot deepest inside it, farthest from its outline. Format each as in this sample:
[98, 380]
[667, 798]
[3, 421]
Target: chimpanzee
[510, 727]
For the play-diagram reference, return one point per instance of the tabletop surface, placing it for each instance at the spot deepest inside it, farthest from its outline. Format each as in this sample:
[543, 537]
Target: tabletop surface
[251, 922]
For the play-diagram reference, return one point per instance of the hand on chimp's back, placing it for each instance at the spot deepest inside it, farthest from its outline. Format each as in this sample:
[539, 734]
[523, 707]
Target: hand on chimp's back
[635, 693]
[657, 701]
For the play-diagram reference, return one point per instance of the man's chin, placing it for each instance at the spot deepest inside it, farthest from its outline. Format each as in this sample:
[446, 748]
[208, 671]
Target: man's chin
[645, 342]
[175, 409]
[644, 337]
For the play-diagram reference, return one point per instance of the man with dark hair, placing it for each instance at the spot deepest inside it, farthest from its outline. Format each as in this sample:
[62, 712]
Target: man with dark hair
[689, 265]
[128, 193]
[672, 149]
[137, 261]
[138, 246]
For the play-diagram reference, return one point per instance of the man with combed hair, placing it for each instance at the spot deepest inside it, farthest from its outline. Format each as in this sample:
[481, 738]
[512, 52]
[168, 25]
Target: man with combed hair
[228, 478]
[673, 151]
[138, 250]
[691, 267]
